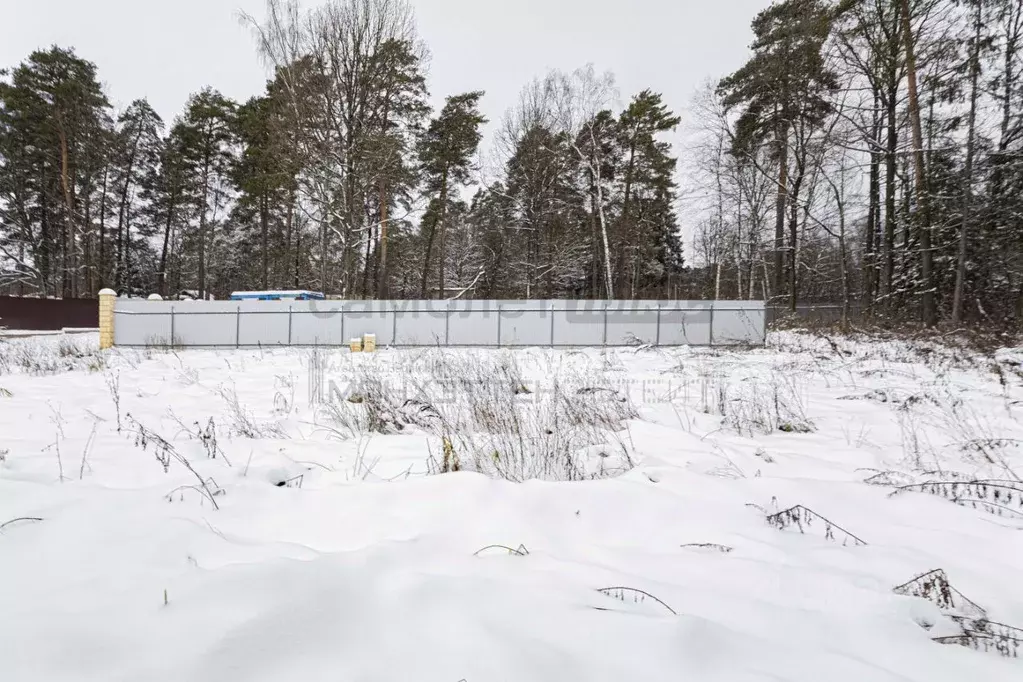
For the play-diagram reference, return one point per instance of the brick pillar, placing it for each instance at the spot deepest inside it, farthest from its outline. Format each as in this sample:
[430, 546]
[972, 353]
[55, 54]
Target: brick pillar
[106, 318]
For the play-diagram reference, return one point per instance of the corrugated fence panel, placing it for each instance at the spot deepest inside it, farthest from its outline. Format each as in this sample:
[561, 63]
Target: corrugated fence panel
[141, 329]
[370, 317]
[314, 323]
[580, 323]
[263, 328]
[472, 324]
[525, 323]
[630, 323]
[734, 324]
[424, 324]
[685, 327]
[205, 329]
[428, 323]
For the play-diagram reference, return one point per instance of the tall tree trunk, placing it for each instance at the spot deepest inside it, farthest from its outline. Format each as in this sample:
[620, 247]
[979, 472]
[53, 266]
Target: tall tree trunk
[264, 227]
[123, 239]
[103, 280]
[751, 275]
[369, 264]
[203, 218]
[871, 238]
[1013, 23]
[629, 172]
[738, 244]
[21, 259]
[595, 241]
[608, 273]
[69, 210]
[779, 207]
[119, 256]
[298, 254]
[442, 228]
[323, 258]
[1013, 35]
[929, 310]
[843, 250]
[289, 249]
[88, 271]
[383, 289]
[202, 256]
[426, 259]
[957, 302]
[625, 232]
[843, 254]
[45, 235]
[162, 275]
[74, 236]
[127, 257]
[380, 279]
[718, 172]
[891, 168]
[794, 232]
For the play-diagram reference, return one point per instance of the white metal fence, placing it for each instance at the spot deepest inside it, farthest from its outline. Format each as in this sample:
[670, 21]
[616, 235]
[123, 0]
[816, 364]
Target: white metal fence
[448, 323]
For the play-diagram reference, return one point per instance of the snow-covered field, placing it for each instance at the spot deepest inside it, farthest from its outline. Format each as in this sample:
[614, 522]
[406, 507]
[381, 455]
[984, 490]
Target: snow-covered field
[535, 515]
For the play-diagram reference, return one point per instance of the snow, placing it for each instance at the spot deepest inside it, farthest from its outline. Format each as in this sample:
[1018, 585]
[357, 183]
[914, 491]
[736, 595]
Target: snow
[15, 333]
[366, 567]
[282, 293]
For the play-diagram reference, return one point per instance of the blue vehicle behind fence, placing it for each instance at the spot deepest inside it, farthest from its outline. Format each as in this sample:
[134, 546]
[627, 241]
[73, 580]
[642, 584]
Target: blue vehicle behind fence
[277, 296]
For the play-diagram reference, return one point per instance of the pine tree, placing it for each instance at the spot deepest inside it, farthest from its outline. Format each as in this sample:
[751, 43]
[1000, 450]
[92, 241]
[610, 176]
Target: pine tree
[265, 173]
[1003, 242]
[491, 214]
[541, 177]
[348, 68]
[446, 155]
[137, 149]
[785, 82]
[599, 153]
[166, 196]
[208, 148]
[51, 107]
[648, 221]
[398, 108]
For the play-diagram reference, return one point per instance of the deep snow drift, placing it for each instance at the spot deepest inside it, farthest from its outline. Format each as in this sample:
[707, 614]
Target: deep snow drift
[291, 515]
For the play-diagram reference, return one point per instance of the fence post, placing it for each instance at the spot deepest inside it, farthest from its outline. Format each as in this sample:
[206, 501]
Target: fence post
[394, 325]
[657, 341]
[172, 327]
[498, 325]
[710, 339]
[552, 325]
[106, 318]
[604, 342]
[447, 322]
[238, 328]
[289, 325]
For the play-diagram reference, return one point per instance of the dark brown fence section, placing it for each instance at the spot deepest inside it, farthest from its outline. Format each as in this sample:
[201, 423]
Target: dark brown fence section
[48, 313]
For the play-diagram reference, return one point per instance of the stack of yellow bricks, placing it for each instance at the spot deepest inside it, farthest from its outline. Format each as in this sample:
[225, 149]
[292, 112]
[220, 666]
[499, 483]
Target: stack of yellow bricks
[367, 343]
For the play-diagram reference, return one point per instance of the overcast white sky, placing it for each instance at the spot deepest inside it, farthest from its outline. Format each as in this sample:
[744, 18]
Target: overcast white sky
[166, 49]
